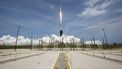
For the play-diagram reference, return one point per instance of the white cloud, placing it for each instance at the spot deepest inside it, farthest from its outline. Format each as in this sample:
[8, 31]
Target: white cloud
[46, 39]
[112, 24]
[91, 2]
[56, 39]
[98, 42]
[7, 39]
[10, 40]
[92, 12]
[95, 7]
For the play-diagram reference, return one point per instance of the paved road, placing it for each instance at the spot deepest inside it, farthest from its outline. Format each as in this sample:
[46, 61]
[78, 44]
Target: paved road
[43, 61]
[61, 61]
[78, 61]
[81, 61]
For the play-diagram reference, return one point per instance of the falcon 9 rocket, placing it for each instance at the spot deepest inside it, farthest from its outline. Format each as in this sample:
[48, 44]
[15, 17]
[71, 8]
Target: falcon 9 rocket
[61, 18]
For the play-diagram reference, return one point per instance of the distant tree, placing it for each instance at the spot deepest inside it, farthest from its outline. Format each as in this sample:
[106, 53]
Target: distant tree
[72, 46]
[61, 46]
[50, 46]
[94, 46]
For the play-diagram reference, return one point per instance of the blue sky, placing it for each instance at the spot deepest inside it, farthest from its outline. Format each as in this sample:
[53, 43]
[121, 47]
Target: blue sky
[82, 18]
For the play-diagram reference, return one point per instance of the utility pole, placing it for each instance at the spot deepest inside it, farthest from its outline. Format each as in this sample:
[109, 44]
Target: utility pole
[31, 41]
[103, 43]
[39, 45]
[91, 44]
[81, 45]
[103, 47]
[39, 42]
[94, 40]
[84, 44]
[17, 37]
[73, 43]
[106, 42]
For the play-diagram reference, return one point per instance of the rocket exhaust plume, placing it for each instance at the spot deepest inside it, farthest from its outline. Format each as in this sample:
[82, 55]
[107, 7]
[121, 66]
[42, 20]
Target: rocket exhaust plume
[61, 18]
[60, 14]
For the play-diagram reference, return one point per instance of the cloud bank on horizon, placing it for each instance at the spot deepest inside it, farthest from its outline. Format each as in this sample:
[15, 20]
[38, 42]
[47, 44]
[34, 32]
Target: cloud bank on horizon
[10, 40]
[82, 18]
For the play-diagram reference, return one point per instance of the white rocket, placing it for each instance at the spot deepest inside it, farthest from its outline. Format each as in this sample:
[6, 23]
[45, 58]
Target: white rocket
[61, 18]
